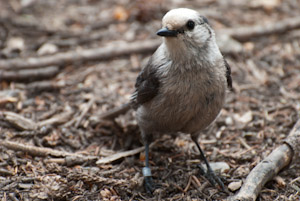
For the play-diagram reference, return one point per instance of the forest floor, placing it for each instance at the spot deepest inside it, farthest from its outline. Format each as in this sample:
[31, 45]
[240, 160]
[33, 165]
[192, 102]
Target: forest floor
[52, 136]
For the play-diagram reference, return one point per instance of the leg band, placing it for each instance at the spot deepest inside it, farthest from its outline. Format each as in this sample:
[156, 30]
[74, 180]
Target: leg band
[146, 172]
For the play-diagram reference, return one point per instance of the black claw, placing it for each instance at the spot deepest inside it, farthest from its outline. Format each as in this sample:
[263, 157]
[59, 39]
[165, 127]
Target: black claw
[211, 177]
[201, 170]
[209, 173]
[149, 184]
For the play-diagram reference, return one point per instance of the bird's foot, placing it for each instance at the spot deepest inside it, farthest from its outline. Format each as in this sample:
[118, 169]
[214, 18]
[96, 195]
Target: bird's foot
[149, 185]
[211, 177]
[148, 181]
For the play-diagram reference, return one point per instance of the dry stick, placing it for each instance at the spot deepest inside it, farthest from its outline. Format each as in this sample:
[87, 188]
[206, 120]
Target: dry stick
[244, 33]
[123, 154]
[85, 110]
[280, 158]
[113, 113]
[26, 75]
[18, 121]
[22, 123]
[58, 118]
[119, 155]
[41, 151]
[40, 86]
[4, 172]
[101, 53]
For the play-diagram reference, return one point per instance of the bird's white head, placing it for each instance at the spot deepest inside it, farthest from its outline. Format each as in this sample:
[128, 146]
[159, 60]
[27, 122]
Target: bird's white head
[187, 30]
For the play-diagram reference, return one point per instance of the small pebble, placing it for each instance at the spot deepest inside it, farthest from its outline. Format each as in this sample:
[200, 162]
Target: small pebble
[233, 186]
[47, 48]
[229, 121]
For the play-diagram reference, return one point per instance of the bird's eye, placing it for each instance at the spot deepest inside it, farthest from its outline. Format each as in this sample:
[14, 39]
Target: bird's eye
[190, 24]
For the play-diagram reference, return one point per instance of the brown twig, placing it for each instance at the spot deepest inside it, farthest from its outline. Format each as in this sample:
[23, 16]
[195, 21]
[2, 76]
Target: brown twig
[113, 113]
[41, 86]
[4, 172]
[123, 154]
[280, 158]
[33, 150]
[22, 123]
[100, 53]
[28, 75]
[41, 151]
[18, 121]
[245, 33]
[58, 119]
[119, 155]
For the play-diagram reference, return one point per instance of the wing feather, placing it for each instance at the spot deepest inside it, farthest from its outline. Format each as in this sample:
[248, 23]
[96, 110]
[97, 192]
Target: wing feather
[147, 86]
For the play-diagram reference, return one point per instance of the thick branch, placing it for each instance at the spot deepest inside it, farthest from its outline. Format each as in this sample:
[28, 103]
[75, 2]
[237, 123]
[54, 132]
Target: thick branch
[280, 158]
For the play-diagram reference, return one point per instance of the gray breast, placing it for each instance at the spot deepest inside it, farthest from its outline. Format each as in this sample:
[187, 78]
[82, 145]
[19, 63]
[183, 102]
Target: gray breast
[185, 103]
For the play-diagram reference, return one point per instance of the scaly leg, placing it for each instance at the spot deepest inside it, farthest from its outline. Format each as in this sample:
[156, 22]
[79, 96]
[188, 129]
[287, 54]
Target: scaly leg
[148, 182]
[209, 174]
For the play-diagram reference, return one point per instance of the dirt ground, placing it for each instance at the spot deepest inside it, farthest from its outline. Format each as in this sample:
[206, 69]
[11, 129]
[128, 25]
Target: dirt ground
[50, 109]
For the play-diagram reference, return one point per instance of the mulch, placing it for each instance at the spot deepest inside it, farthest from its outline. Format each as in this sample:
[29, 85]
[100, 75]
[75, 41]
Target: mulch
[63, 64]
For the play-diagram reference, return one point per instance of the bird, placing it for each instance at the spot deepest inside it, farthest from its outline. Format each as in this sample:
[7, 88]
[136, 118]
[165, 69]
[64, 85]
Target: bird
[183, 86]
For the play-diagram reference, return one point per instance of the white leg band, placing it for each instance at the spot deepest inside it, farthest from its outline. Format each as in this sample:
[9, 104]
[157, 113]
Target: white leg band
[146, 171]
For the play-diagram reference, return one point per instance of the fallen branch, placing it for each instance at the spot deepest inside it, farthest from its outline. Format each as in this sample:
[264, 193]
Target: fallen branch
[123, 154]
[119, 155]
[58, 119]
[28, 75]
[115, 112]
[101, 53]
[4, 172]
[18, 121]
[25, 124]
[245, 33]
[41, 86]
[42, 151]
[280, 158]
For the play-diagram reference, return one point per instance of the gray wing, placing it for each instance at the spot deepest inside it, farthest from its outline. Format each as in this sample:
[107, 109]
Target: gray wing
[228, 75]
[147, 86]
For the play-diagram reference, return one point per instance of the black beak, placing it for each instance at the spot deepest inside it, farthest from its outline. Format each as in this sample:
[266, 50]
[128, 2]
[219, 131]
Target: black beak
[167, 33]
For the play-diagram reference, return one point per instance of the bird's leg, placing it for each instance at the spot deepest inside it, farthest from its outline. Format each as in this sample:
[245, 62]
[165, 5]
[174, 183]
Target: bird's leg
[209, 174]
[148, 182]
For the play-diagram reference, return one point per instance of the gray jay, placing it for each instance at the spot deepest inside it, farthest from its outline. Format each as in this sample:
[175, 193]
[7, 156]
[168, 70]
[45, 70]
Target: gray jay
[183, 86]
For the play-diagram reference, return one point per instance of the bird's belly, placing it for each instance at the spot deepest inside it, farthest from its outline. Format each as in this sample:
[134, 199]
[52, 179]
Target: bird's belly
[188, 111]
